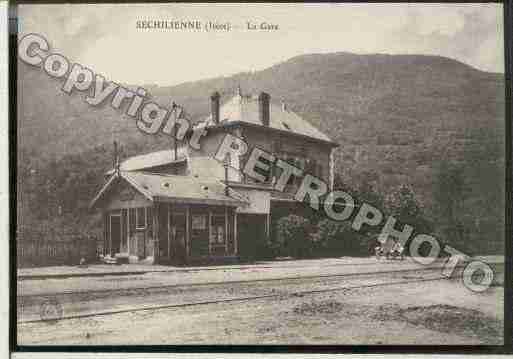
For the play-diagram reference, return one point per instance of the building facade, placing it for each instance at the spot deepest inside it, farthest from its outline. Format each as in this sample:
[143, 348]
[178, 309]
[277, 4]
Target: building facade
[182, 206]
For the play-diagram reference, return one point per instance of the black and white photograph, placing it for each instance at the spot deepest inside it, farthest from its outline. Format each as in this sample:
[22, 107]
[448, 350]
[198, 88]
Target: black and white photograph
[290, 174]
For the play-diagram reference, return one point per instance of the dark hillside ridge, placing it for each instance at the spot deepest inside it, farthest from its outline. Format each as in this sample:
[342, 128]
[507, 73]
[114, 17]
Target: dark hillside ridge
[395, 116]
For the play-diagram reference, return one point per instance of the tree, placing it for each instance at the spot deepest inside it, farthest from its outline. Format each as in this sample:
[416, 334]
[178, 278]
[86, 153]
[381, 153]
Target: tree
[403, 205]
[450, 192]
[366, 192]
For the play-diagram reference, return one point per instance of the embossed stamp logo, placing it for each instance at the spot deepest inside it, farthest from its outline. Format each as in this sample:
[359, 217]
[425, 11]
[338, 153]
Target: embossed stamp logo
[50, 310]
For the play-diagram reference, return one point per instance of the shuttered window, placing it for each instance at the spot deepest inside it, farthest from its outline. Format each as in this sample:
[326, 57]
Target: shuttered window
[140, 218]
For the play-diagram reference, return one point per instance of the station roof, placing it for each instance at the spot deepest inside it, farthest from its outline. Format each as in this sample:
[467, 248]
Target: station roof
[178, 189]
[244, 109]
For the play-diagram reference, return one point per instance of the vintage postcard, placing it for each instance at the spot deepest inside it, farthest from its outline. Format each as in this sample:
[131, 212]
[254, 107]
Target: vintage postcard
[260, 174]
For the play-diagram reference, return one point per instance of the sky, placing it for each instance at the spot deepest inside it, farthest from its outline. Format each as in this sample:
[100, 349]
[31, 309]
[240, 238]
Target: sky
[104, 37]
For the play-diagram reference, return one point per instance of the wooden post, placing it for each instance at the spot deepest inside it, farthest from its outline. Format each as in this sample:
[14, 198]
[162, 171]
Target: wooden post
[175, 144]
[226, 189]
[145, 235]
[209, 232]
[168, 231]
[268, 225]
[127, 232]
[110, 233]
[225, 230]
[187, 231]
[105, 232]
[156, 242]
[235, 239]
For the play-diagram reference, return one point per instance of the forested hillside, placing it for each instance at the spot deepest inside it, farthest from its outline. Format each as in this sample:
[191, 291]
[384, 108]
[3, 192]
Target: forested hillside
[431, 122]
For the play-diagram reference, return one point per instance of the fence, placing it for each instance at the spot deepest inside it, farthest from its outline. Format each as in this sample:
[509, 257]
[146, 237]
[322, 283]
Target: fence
[44, 252]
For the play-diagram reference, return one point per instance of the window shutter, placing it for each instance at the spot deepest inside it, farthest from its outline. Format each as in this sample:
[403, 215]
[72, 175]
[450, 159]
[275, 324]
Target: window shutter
[131, 218]
[149, 220]
[124, 229]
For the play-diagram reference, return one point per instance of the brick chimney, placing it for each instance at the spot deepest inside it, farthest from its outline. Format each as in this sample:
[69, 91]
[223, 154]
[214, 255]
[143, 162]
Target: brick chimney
[214, 107]
[263, 108]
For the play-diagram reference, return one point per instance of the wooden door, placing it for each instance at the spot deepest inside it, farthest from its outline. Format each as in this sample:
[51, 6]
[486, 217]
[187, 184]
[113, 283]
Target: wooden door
[177, 233]
[199, 245]
[115, 234]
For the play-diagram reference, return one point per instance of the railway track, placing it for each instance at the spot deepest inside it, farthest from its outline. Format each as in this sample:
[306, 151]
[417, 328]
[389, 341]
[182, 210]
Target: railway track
[27, 277]
[160, 286]
[263, 289]
[228, 300]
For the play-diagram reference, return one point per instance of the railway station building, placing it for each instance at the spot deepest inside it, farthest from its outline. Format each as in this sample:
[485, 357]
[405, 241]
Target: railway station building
[182, 206]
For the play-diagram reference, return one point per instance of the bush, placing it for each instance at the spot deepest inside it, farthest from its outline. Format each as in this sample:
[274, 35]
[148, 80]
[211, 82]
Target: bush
[293, 237]
[336, 239]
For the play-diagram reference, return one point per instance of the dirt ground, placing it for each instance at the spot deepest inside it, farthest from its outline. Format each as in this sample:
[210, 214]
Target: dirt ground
[94, 302]
[435, 313]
